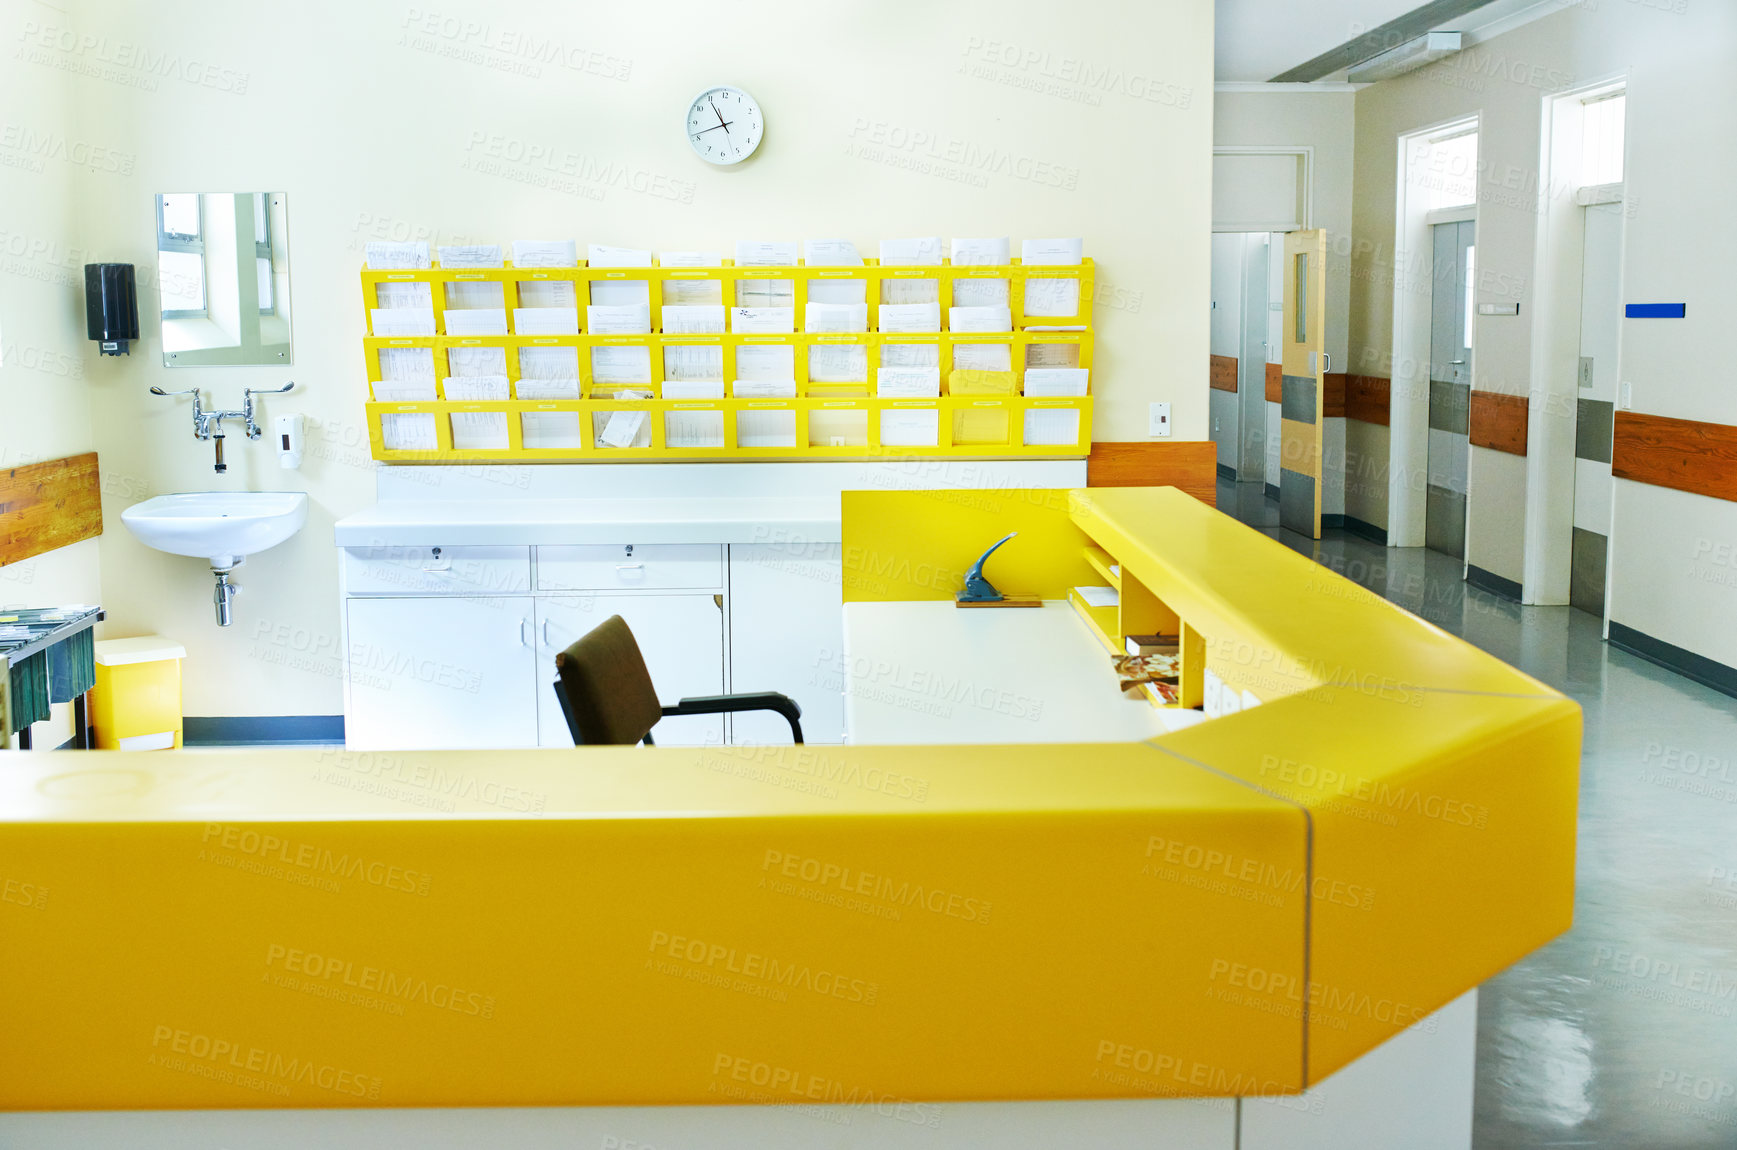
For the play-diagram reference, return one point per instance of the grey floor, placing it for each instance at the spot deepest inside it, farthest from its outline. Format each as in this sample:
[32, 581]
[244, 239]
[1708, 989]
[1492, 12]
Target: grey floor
[1620, 1033]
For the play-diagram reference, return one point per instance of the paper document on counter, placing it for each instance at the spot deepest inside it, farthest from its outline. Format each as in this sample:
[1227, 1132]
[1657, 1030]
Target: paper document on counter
[1098, 596]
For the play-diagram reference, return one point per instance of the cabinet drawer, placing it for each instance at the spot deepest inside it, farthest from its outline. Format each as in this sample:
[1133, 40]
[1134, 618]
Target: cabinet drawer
[432, 570]
[618, 567]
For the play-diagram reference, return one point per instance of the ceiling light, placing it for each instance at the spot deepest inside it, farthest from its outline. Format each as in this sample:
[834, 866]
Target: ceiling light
[1406, 57]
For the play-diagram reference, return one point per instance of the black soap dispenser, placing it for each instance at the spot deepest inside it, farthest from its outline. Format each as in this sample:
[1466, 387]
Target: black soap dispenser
[111, 307]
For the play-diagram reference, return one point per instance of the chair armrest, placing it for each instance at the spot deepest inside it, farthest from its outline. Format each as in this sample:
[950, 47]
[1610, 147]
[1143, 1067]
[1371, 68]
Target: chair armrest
[752, 701]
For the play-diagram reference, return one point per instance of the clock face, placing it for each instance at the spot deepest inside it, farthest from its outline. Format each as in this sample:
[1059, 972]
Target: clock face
[724, 125]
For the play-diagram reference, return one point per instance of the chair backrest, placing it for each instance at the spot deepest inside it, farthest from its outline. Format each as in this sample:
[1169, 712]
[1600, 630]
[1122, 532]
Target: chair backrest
[610, 697]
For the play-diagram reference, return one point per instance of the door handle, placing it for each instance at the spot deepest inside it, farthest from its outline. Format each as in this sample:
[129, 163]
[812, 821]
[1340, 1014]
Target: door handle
[546, 640]
[1326, 362]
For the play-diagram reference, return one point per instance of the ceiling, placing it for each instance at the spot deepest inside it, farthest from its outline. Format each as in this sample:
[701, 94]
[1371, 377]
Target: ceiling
[1258, 40]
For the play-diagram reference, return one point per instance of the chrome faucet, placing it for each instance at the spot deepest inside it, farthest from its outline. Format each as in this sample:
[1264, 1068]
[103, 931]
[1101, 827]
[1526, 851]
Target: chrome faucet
[209, 424]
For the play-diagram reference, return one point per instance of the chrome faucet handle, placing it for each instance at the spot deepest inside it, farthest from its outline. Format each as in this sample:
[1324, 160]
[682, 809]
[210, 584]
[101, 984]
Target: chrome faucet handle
[155, 390]
[268, 390]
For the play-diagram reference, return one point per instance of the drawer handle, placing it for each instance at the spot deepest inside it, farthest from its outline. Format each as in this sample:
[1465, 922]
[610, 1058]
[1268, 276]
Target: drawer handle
[523, 642]
[631, 571]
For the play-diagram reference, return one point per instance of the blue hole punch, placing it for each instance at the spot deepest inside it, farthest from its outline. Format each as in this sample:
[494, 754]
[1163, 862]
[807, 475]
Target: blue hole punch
[980, 592]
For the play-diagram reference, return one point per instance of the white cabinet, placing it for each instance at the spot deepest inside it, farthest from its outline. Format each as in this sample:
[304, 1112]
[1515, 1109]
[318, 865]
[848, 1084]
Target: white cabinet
[787, 634]
[441, 671]
[681, 637]
[626, 567]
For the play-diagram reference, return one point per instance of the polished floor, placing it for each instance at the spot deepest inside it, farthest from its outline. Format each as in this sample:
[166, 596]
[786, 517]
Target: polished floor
[1620, 1034]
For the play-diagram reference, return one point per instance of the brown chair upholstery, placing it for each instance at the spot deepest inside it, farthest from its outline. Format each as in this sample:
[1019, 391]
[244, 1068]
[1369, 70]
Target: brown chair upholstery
[608, 697]
[609, 694]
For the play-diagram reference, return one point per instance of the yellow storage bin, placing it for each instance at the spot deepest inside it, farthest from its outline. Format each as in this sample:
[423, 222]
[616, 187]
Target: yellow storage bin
[136, 703]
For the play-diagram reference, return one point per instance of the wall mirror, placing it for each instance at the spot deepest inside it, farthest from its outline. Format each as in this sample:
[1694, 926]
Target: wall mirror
[223, 277]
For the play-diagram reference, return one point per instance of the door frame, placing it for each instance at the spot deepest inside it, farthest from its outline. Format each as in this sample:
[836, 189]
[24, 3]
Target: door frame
[1548, 544]
[1408, 370]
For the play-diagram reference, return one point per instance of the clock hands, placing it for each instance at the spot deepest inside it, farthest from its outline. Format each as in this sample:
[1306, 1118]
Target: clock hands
[715, 127]
[721, 122]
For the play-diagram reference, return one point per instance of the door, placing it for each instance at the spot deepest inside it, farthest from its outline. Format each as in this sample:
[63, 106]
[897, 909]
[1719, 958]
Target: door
[437, 672]
[1450, 387]
[680, 636]
[787, 635]
[1595, 411]
[1303, 389]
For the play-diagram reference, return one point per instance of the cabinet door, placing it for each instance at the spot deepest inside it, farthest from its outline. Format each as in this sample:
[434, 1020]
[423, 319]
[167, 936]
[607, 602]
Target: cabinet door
[680, 636]
[787, 634]
[437, 672]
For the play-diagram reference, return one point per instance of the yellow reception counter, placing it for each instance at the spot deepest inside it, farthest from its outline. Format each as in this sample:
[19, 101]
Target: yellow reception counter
[1235, 907]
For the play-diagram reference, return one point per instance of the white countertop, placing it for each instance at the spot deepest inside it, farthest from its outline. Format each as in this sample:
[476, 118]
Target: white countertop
[935, 673]
[536, 504]
[457, 522]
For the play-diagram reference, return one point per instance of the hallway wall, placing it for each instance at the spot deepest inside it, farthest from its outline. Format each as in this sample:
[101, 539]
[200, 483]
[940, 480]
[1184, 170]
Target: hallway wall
[1668, 578]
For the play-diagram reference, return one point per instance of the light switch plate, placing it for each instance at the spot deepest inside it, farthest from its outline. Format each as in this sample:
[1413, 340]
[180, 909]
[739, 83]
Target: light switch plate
[1627, 395]
[1158, 422]
[1585, 371]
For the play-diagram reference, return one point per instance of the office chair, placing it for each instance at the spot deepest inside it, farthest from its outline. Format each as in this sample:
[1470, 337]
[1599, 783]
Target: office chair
[608, 697]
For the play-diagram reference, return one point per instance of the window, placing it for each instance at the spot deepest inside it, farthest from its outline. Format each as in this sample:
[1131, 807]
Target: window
[262, 250]
[1448, 170]
[181, 256]
[1601, 138]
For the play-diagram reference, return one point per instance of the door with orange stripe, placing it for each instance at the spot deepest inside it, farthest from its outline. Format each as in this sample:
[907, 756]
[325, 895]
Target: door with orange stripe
[1304, 384]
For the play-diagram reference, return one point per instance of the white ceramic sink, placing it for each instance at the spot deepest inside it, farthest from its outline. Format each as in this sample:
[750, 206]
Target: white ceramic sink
[223, 527]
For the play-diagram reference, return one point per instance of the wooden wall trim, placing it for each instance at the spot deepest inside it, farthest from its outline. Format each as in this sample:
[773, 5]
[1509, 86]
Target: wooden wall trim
[1682, 454]
[1189, 464]
[1368, 398]
[1333, 395]
[1275, 383]
[1222, 374]
[48, 505]
[1499, 421]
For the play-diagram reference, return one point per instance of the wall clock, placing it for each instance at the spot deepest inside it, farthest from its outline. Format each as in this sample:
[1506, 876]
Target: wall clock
[724, 125]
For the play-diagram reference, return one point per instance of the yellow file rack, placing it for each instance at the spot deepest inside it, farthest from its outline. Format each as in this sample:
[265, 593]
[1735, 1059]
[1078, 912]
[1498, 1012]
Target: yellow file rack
[829, 417]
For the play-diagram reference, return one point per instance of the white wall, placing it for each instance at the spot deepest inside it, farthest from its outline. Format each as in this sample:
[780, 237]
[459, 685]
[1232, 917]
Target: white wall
[379, 124]
[1665, 575]
[45, 360]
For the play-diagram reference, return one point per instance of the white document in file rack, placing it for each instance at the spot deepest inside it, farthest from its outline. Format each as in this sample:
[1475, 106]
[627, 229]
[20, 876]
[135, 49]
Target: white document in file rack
[383, 255]
[1055, 253]
[603, 256]
[909, 317]
[693, 319]
[831, 254]
[546, 320]
[545, 254]
[470, 256]
[910, 427]
[626, 320]
[992, 252]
